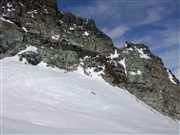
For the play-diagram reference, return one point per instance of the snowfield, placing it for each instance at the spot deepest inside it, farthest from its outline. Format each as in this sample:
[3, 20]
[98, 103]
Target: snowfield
[41, 100]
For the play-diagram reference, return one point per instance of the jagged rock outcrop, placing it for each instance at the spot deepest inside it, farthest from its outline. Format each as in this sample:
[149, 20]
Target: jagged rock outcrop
[36, 32]
[38, 23]
[143, 74]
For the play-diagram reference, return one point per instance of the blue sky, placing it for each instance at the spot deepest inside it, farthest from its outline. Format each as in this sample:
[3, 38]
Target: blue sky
[153, 22]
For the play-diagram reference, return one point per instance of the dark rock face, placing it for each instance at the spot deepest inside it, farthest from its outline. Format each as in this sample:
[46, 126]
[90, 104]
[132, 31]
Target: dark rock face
[36, 32]
[31, 57]
[37, 23]
[151, 82]
[43, 20]
[65, 59]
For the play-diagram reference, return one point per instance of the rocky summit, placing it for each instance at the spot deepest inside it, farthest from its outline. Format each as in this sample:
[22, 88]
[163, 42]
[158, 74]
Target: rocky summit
[37, 32]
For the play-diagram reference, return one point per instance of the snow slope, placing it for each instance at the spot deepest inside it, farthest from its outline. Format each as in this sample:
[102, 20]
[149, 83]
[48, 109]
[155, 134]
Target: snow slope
[36, 99]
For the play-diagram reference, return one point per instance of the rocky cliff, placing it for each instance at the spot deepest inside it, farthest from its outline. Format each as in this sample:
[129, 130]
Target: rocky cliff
[37, 32]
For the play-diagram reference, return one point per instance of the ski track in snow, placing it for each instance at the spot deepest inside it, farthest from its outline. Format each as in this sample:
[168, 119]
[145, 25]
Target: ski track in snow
[42, 100]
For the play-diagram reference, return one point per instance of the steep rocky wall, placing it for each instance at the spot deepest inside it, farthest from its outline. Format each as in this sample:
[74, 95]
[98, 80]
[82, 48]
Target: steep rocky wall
[38, 18]
[143, 74]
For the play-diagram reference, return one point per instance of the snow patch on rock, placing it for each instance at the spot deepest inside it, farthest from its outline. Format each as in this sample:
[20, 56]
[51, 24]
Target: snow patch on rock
[21, 4]
[115, 55]
[55, 37]
[86, 33]
[138, 72]
[127, 50]
[94, 74]
[29, 48]
[90, 71]
[9, 5]
[6, 20]
[24, 29]
[123, 63]
[43, 64]
[171, 78]
[46, 11]
[61, 21]
[32, 13]
[71, 28]
[142, 54]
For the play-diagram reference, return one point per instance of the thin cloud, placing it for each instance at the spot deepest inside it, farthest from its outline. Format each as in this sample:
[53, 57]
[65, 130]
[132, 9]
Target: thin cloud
[95, 10]
[116, 32]
[153, 15]
[133, 13]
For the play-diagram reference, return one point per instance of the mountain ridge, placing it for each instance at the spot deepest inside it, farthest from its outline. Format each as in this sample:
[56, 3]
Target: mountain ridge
[36, 32]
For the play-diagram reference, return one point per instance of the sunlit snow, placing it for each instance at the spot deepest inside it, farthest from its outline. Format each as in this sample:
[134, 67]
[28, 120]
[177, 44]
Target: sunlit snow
[29, 48]
[85, 33]
[6, 20]
[142, 54]
[115, 55]
[123, 63]
[138, 72]
[24, 29]
[36, 99]
[55, 37]
[71, 28]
